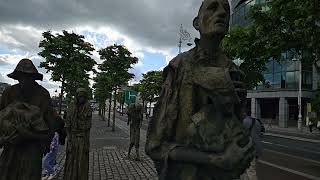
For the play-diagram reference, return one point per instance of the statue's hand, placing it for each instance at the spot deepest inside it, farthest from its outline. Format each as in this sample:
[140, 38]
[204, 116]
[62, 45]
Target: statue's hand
[21, 127]
[237, 158]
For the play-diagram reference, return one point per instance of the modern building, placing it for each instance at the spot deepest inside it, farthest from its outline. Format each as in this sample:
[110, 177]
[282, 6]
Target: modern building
[277, 99]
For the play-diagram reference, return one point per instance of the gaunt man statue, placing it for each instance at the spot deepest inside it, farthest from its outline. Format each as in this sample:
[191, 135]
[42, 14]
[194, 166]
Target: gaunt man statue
[196, 132]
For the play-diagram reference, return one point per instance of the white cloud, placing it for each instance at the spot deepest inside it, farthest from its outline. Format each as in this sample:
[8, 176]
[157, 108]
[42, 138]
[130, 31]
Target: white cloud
[20, 37]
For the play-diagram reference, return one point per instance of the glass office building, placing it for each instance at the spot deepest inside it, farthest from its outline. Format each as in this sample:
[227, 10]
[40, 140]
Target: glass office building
[276, 99]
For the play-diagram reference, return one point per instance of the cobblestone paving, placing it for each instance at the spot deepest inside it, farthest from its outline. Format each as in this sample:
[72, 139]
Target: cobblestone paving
[108, 156]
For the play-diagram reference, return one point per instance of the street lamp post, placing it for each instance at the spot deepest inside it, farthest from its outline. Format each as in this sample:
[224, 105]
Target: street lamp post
[299, 93]
[184, 35]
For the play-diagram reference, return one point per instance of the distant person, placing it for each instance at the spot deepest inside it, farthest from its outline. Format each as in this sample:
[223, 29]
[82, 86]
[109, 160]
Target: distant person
[255, 129]
[78, 125]
[21, 158]
[49, 161]
[309, 123]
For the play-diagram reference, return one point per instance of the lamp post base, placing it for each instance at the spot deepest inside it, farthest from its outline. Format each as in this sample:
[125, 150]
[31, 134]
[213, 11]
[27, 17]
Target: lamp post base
[300, 123]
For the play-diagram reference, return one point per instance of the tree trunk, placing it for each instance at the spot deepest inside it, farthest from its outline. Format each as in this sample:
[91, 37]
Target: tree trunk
[104, 111]
[144, 111]
[61, 95]
[109, 113]
[149, 109]
[114, 111]
[122, 109]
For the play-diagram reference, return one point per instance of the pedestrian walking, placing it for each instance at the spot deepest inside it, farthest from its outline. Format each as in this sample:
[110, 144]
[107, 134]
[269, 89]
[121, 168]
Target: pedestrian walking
[78, 125]
[318, 124]
[309, 123]
[49, 161]
[255, 129]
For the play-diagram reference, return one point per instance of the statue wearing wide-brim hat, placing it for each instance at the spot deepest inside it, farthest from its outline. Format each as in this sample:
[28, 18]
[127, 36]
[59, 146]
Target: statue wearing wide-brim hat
[25, 68]
[22, 156]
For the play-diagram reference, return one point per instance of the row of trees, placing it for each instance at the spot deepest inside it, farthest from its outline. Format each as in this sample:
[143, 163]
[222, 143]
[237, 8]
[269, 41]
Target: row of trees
[69, 59]
[113, 74]
[149, 87]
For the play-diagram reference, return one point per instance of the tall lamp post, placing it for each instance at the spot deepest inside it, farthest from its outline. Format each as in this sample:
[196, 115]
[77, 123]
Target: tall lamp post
[298, 59]
[184, 35]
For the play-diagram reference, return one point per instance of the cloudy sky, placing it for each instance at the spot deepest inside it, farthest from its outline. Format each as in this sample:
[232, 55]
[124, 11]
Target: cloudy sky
[148, 28]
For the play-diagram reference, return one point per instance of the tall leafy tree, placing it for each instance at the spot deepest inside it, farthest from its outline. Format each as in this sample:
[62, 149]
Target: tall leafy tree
[150, 86]
[287, 26]
[102, 92]
[67, 57]
[276, 27]
[117, 60]
[139, 87]
[121, 98]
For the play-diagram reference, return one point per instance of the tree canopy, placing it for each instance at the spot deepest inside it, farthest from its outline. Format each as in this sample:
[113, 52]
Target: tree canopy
[275, 27]
[68, 58]
[117, 61]
[150, 85]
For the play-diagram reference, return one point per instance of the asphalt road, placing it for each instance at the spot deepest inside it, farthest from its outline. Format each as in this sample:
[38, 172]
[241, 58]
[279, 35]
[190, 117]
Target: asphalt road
[289, 159]
[283, 158]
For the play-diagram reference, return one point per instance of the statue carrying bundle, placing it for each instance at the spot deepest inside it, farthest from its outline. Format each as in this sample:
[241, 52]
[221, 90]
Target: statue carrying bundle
[20, 115]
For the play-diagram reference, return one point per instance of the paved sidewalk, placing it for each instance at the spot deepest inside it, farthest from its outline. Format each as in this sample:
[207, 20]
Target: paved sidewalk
[108, 153]
[293, 132]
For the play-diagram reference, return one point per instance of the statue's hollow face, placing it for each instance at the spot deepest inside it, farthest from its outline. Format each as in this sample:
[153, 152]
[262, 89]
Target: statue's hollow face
[213, 18]
[81, 97]
[26, 81]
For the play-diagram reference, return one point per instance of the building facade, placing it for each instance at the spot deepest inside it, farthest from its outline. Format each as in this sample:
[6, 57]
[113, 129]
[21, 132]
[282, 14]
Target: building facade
[276, 100]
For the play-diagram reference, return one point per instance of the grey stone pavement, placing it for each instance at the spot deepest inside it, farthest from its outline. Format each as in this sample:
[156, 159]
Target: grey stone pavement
[108, 154]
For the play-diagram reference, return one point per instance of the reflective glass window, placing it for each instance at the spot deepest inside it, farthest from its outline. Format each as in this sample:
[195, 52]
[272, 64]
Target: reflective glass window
[283, 79]
[306, 79]
[291, 80]
[277, 78]
[276, 66]
[292, 66]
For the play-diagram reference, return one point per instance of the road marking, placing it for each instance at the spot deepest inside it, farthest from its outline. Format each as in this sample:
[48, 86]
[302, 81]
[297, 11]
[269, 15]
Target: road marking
[289, 155]
[290, 170]
[291, 147]
[108, 138]
[293, 138]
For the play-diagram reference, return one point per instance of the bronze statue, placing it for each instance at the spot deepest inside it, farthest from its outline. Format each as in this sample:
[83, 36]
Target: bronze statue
[135, 117]
[27, 124]
[196, 131]
[78, 126]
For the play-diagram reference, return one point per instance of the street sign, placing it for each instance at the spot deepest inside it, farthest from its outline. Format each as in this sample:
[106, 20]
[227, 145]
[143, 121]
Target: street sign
[308, 107]
[130, 96]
